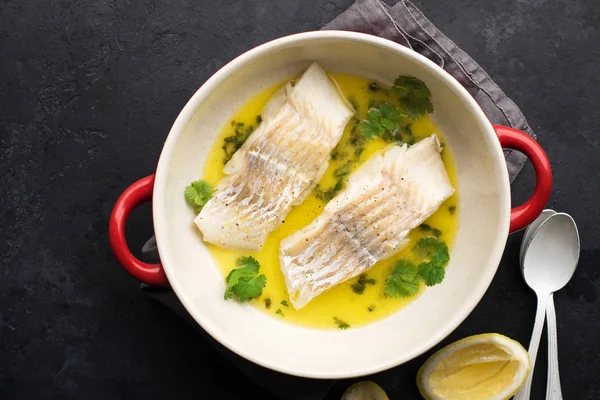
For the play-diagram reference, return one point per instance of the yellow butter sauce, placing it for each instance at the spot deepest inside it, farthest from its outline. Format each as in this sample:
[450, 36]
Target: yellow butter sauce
[340, 301]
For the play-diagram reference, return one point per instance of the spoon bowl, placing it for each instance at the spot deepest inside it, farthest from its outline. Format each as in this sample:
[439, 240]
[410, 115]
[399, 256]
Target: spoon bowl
[552, 254]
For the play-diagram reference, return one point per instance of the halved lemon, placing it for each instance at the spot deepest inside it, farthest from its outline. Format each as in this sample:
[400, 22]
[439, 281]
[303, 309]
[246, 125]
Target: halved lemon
[366, 390]
[483, 367]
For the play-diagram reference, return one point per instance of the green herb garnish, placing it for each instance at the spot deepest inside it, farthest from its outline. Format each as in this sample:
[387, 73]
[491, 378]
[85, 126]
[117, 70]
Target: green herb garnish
[340, 173]
[428, 228]
[359, 286]
[198, 194]
[432, 274]
[371, 308]
[245, 282]
[433, 271]
[280, 312]
[414, 96]
[371, 127]
[232, 143]
[404, 280]
[284, 303]
[452, 209]
[267, 303]
[258, 119]
[386, 122]
[341, 324]
[436, 250]
[353, 103]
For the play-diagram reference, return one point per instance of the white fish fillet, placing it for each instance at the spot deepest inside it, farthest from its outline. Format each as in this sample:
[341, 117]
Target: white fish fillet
[279, 164]
[392, 193]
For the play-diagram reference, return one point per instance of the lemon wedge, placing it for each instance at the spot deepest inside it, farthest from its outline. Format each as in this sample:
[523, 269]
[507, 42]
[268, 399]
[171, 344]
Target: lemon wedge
[484, 367]
[366, 390]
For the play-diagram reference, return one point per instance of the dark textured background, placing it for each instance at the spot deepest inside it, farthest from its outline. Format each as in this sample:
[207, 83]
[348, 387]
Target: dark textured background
[88, 92]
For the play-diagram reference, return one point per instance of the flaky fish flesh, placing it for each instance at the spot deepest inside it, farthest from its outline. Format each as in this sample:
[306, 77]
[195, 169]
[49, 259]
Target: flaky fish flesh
[388, 196]
[279, 164]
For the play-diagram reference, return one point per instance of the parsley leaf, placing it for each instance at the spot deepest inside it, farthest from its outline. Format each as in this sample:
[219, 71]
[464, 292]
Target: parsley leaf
[284, 303]
[436, 250]
[341, 324]
[359, 286]
[386, 122]
[391, 117]
[249, 262]
[268, 303]
[245, 282]
[414, 96]
[372, 127]
[279, 312]
[198, 194]
[403, 281]
[431, 273]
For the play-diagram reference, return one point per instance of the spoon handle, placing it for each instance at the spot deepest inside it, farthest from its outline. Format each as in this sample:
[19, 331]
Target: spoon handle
[553, 389]
[540, 315]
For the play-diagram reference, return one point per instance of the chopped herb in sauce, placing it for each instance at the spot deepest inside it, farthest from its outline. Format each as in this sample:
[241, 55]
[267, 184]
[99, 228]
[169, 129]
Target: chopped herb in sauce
[336, 154]
[340, 174]
[279, 312]
[360, 285]
[258, 119]
[267, 303]
[341, 324]
[198, 194]
[452, 209]
[353, 103]
[371, 308]
[427, 228]
[284, 303]
[232, 143]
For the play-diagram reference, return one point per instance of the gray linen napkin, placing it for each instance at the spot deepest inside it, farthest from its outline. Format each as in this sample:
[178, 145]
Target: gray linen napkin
[406, 25]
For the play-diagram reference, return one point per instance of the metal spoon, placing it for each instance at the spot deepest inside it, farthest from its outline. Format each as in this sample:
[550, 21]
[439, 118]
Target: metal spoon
[529, 232]
[549, 262]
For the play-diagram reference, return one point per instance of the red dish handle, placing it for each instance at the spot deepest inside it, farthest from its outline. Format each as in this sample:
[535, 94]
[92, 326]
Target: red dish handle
[133, 196]
[527, 212]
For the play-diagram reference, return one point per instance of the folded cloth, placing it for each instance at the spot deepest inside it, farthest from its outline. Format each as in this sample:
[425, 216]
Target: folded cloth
[405, 24]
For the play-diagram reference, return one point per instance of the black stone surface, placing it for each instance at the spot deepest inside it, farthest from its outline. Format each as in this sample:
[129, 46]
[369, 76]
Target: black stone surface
[88, 92]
